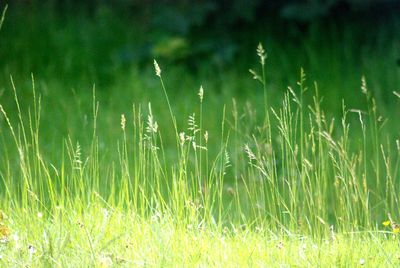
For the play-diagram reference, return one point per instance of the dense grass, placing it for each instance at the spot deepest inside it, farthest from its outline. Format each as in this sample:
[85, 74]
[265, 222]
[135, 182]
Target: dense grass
[169, 173]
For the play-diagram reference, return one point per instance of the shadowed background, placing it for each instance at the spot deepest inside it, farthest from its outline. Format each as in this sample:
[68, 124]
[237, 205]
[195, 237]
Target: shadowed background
[70, 46]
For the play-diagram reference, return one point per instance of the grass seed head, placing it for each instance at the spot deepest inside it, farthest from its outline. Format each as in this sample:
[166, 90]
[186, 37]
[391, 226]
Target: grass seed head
[123, 121]
[261, 53]
[249, 152]
[157, 68]
[182, 138]
[201, 93]
[363, 85]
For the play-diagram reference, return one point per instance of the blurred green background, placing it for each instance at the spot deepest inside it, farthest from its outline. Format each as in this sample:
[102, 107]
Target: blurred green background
[70, 46]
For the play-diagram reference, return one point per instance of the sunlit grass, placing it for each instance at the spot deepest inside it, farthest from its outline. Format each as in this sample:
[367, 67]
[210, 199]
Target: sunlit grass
[104, 237]
[265, 182]
[294, 187]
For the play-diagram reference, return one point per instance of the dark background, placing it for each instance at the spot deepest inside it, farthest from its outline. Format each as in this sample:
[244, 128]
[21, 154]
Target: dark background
[215, 33]
[71, 45]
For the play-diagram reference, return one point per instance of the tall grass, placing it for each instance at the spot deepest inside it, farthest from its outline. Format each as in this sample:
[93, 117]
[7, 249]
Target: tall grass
[296, 171]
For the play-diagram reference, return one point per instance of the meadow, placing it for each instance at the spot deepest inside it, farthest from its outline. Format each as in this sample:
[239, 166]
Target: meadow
[133, 166]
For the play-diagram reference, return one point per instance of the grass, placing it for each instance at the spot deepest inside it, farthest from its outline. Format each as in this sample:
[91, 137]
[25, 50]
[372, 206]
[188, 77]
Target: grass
[106, 238]
[89, 179]
[297, 181]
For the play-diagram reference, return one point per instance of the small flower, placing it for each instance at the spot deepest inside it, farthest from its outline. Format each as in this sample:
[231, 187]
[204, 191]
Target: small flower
[31, 250]
[362, 261]
[16, 241]
[105, 212]
[333, 237]
[105, 261]
[80, 224]
[395, 226]
[15, 238]
[40, 215]
[4, 231]
[157, 68]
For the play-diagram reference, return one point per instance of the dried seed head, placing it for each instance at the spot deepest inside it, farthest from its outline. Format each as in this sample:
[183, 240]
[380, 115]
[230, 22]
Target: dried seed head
[157, 68]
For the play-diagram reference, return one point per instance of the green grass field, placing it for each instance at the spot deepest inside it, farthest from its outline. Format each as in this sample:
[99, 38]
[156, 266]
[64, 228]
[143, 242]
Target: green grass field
[158, 167]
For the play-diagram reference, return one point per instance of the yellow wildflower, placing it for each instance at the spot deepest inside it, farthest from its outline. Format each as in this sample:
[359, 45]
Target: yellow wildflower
[386, 223]
[4, 231]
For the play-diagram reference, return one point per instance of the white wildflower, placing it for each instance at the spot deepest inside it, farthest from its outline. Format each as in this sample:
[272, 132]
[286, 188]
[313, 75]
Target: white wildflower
[31, 250]
[105, 261]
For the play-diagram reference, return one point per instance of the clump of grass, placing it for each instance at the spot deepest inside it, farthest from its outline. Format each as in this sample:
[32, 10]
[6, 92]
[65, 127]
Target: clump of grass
[295, 173]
